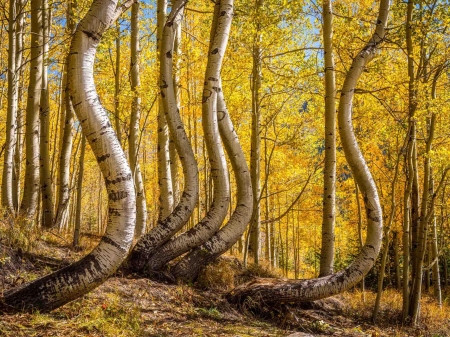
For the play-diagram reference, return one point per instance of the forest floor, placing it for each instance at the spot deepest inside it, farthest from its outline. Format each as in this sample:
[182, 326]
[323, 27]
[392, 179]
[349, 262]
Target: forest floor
[128, 306]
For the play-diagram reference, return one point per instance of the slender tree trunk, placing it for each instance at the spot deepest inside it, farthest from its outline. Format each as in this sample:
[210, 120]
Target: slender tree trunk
[67, 137]
[11, 119]
[54, 290]
[329, 171]
[117, 86]
[176, 85]
[211, 223]
[164, 174]
[406, 224]
[190, 265]
[166, 228]
[255, 150]
[423, 228]
[45, 173]
[398, 283]
[141, 211]
[435, 257]
[20, 9]
[360, 235]
[276, 291]
[31, 186]
[76, 232]
[386, 242]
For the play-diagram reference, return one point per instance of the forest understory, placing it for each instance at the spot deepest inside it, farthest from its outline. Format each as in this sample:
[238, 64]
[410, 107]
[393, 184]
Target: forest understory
[127, 305]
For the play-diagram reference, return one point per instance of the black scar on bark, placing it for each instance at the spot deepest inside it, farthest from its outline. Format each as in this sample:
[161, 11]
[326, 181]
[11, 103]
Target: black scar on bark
[119, 195]
[103, 158]
[113, 243]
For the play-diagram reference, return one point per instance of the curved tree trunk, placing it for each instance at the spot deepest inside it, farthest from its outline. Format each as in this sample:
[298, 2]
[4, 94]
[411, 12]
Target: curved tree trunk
[31, 186]
[276, 291]
[189, 267]
[56, 289]
[329, 170]
[167, 227]
[141, 205]
[211, 223]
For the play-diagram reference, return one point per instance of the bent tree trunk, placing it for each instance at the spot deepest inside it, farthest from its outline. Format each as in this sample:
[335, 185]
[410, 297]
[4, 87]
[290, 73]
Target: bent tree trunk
[56, 289]
[211, 223]
[167, 227]
[269, 291]
[189, 267]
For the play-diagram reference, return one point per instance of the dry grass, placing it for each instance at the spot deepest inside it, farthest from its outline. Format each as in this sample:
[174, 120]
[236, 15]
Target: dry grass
[434, 321]
[140, 307]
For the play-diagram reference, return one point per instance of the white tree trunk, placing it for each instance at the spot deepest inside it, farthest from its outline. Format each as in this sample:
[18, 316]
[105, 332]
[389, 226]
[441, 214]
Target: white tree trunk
[164, 173]
[56, 289]
[211, 223]
[44, 114]
[141, 211]
[31, 186]
[167, 227]
[67, 137]
[189, 267]
[276, 291]
[11, 119]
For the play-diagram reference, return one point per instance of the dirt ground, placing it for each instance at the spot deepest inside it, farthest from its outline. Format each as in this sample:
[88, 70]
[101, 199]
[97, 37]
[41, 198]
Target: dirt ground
[129, 306]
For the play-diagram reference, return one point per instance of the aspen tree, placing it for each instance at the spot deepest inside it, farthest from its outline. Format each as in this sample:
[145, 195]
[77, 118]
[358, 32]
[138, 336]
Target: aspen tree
[64, 285]
[164, 173]
[255, 151]
[66, 145]
[31, 185]
[329, 171]
[278, 291]
[20, 12]
[77, 229]
[11, 119]
[217, 212]
[167, 227]
[189, 267]
[133, 154]
[117, 85]
[46, 191]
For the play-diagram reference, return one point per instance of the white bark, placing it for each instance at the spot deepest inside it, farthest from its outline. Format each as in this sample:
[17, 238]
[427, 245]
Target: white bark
[31, 186]
[189, 267]
[164, 174]
[211, 223]
[56, 289]
[276, 291]
[11, 119]
[46, 191]
[64, 191]
[167, 227]
[141, 211]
